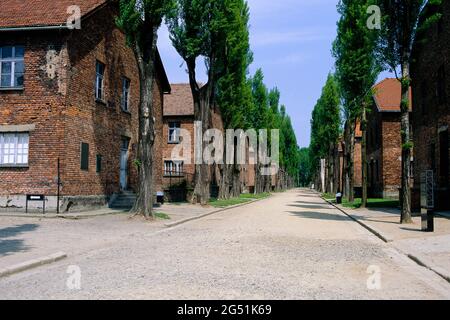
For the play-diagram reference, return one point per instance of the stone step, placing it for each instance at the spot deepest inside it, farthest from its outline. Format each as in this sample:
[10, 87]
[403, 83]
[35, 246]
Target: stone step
[124, 200]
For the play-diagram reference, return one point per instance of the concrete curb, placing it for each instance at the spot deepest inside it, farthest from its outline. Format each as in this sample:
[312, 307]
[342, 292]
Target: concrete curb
[424, 262]
[32, 264]
[176, 223]
[420, 260]
[372, 229]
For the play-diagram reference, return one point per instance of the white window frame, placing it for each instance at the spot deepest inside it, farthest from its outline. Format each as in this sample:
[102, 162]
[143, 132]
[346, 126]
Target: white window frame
[126, 85]
[20, 149]
[99, 81]
[174, 132]
[13, 60]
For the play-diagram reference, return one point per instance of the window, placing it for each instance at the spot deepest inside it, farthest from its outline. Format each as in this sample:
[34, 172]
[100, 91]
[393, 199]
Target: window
[173, 168]
[14, 149]
[12, 67]
[99, 82]
[441, 86]
[174, 132]
[99, 163]
[125, 94]
[84, 157]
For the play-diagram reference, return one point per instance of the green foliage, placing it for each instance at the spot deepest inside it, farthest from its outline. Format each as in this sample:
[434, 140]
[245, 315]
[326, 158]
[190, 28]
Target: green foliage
[356, 65]
[233, 94]
[243, 198]
[305, 175]
[325, 123]
[141, 19]
[400, 26]
[162, 216]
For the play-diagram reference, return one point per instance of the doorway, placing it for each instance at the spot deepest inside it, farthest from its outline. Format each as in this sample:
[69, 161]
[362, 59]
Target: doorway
[444, 169]
[124, 155]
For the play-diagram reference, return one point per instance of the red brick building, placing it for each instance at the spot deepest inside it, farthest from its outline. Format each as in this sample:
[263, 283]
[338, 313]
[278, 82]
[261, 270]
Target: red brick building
[70, 95]
[178, 115]
[432, 113]
[384, 151]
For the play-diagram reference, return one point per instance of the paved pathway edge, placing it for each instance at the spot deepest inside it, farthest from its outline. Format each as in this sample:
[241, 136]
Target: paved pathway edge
[30, 264]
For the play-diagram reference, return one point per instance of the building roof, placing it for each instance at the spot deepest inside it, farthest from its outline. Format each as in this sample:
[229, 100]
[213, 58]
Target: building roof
[180, 101]
[41, 13]
[387, 95]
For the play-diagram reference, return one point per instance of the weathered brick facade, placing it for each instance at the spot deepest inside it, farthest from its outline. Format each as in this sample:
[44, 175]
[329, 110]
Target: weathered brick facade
[58, 101]
[431, 117]
[384, 152]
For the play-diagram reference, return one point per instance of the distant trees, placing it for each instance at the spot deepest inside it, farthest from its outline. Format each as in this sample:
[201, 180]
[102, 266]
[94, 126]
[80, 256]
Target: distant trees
[356, 73]
[217, 32]
[325, 131]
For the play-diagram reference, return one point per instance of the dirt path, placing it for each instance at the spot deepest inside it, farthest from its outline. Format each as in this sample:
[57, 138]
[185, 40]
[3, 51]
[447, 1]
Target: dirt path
[290, 246]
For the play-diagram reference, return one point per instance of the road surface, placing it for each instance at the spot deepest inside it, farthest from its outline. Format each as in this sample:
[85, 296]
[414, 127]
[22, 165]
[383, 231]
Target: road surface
[290, 246]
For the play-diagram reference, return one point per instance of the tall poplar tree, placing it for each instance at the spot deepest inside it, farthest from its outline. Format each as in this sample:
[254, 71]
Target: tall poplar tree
[140, 20]
[356, 73]
[400, 25]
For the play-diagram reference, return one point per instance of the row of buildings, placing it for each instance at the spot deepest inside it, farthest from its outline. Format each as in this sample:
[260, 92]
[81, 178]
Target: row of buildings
[430, 120]
[69, 109]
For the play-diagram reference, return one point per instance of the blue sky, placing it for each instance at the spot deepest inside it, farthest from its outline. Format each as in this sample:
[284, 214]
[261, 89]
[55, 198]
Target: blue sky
[291, 41]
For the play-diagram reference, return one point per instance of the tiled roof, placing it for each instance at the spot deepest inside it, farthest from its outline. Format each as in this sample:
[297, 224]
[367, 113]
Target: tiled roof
[37, 13]
[180, 101]
[388, 95]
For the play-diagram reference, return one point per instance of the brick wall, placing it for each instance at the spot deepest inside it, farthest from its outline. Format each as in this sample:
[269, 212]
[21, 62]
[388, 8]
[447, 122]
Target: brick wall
[432, 115]
[41, 103]
[391, 154]
[59, 99]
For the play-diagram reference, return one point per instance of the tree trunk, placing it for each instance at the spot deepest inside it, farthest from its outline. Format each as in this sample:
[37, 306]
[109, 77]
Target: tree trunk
[364, 157]
[145, 58]
[406, 147]
[236, 179]
[202, 109]
[224, 185]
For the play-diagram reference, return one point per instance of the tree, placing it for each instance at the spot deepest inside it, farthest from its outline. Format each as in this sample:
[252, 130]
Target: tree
[198, 29]
[304, 167]
[325, 129]
[233, 93]
[140, 20]
[397, 37]
[356, 73]
[258, 118]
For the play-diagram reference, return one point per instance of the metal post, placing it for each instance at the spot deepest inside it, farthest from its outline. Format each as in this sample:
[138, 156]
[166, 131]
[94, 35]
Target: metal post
[59, 185]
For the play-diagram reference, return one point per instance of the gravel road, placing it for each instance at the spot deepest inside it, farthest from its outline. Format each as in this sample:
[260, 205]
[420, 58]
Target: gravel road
[290, 246]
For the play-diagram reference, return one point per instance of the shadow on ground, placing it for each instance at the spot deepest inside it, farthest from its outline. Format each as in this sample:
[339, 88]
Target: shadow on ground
[10, 246]
[318, 215]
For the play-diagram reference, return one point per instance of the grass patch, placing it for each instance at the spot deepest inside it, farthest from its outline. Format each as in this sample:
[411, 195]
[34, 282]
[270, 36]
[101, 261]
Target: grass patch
[371, 203]
[162, 216]
[243, 198]
[328, 196]
[253, 196]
